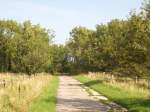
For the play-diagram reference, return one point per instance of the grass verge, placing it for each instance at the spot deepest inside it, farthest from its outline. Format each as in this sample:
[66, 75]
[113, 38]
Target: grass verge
[134, 102]
[46, 102]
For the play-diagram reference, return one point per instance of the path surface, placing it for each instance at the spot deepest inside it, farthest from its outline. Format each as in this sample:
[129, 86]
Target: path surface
[73, 98]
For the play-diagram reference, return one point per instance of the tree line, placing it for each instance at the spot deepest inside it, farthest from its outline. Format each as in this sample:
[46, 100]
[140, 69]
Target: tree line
[25, 47]
[120, 46]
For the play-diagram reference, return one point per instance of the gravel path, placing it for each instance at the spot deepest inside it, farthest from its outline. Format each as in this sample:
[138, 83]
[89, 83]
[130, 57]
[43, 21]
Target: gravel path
[73, 98]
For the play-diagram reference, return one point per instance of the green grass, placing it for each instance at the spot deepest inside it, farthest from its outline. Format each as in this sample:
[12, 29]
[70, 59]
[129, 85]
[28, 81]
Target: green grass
[133, 102]
[46, 102]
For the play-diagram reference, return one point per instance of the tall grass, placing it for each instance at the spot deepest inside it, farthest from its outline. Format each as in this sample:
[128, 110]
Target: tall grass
[126, 92]
[46, 102]
[134, 86]
[18, 91]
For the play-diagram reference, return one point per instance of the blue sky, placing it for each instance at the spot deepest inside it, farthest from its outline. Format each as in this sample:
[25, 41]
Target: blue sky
[63, 15]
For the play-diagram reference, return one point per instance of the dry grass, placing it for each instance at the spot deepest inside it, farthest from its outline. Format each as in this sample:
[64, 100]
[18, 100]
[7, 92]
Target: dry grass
[133, 86]
[19, 90]
[130, 93]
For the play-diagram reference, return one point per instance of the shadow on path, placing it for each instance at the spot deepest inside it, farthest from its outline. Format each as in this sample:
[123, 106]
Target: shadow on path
[93, 82]
[81, 105]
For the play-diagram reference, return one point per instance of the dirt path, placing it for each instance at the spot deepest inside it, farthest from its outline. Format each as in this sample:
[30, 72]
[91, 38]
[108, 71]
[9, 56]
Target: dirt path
[73, 98]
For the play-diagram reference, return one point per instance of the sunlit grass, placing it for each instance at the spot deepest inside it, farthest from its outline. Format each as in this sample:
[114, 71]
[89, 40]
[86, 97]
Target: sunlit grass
[131, 96]
[20, 90]
[46, 102]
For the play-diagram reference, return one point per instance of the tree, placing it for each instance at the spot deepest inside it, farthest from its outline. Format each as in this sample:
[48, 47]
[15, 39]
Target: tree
[7, 32]
[120, 46]
[31, 49]
[79, 45]
[24, 47]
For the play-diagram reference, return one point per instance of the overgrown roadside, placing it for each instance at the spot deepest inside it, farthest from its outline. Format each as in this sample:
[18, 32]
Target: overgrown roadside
[134, 102]
[46, 102]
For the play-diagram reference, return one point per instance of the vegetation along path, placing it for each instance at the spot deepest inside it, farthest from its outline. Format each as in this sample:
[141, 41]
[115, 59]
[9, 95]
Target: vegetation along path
[73, 98]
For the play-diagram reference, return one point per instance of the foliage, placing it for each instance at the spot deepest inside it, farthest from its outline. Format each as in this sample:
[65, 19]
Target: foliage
[59, 58]
[120, 46]
[24, 47]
